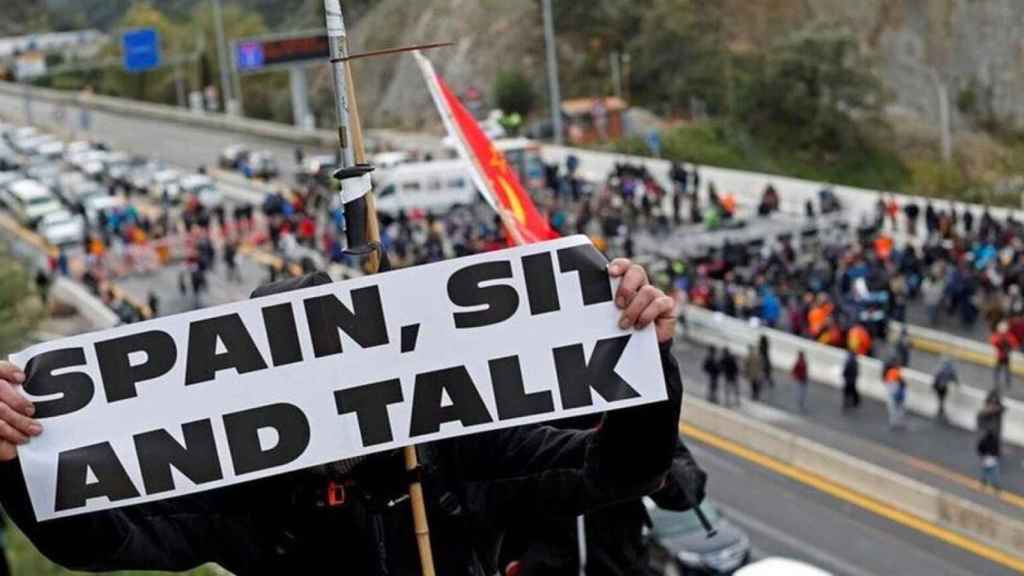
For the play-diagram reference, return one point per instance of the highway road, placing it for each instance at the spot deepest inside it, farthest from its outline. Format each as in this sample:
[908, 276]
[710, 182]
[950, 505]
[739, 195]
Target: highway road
[786, 517]
[186, 146]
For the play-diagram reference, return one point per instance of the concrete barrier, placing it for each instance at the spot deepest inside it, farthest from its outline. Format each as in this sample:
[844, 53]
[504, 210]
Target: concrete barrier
[33, 250]
[90, 307]
[209, 120]
[825, 366]
[748, 186]
[864, 478]
[964, 349]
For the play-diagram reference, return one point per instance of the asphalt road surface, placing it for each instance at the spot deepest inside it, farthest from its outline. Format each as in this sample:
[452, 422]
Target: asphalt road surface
[785, 517]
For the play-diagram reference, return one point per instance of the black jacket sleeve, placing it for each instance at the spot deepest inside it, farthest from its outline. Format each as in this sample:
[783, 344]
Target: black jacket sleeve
[684, 485]
[521, 472]
[158, 536]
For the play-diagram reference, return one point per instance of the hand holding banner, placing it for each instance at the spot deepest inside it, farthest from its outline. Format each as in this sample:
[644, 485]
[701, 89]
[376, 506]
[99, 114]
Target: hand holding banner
[252, 389]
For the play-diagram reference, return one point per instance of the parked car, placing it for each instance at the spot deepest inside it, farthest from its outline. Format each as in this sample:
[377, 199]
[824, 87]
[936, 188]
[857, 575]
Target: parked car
[19, 137]
[231, 158]
[29, 146]
[7, 178]
[80, 192]
[85, 157]
[31, 201]
[140, 177]
[780, 567]
[165, 182]
[61, 228]
[679, 545]
[76, 147]
[51, 150]
[318, 168]
[119, 169]
[259, 165]
[92, 205]
[202, 187]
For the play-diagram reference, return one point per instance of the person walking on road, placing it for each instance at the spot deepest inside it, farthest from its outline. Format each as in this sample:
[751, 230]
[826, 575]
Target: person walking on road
[903, 346]
[800, 375]
[711, 368]
[1004, 342]
[231, 260]
[990, 430]
[153, 301]
[754, 372]
[896, 393]
[764, 349]
[988, 451]
[943, 378]
[851, 371]
[730, 370]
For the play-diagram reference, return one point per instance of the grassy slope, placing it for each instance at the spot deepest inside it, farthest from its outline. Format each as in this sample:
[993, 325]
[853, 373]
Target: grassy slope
[25, 560]
[728, 146]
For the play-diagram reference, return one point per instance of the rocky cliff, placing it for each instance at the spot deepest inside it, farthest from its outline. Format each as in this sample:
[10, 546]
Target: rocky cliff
[975, 48]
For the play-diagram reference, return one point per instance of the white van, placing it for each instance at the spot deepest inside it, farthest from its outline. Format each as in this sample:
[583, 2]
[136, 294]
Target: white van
[434, 187]
[31, 201]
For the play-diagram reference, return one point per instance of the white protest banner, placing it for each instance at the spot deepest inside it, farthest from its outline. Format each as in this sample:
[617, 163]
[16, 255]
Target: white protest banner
[265, 386]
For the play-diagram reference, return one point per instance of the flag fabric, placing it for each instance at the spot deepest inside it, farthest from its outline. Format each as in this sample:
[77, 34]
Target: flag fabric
[497, 181]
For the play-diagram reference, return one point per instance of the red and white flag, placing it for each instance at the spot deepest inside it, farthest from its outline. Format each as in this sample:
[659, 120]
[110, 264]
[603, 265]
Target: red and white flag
[497, 182]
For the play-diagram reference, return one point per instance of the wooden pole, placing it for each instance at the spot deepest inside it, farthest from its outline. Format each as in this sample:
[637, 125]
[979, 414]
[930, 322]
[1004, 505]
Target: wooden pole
[412, 464]
[353, 153]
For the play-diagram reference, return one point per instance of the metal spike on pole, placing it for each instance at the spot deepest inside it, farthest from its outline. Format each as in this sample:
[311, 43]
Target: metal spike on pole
[362, 228]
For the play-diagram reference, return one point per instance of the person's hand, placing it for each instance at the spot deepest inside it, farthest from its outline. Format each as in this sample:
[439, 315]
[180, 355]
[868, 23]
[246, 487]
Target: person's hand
[640, 302]
[16, 423]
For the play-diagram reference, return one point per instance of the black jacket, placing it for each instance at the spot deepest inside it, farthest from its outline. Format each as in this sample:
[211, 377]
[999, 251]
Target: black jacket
[475, 487]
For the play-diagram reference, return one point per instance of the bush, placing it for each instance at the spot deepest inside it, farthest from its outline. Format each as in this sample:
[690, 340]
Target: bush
[513, 93]
[19, 311]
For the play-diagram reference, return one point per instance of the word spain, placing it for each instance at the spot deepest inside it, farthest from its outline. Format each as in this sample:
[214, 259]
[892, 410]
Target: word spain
[233, 393]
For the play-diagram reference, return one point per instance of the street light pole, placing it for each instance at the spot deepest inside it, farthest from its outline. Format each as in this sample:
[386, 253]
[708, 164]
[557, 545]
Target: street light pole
[222, 56]
[553, 88]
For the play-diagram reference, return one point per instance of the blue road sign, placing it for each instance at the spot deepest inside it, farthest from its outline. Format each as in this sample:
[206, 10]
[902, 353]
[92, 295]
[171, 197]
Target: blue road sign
[249, 56]
[140, 49]
[654, 142]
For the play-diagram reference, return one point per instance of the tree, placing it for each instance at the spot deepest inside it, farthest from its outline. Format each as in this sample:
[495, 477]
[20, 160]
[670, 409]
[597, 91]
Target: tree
[679, 52]
[513, 93]
[19, 311]
[811, 91]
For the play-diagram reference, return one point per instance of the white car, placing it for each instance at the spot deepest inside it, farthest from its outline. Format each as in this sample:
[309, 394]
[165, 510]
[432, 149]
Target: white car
[94, 204]
[76, 147]
[165, 180]
[61, 228]
[29, 145]
[780, 567]
[31, 201]
[80, 159]
[202, 187]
